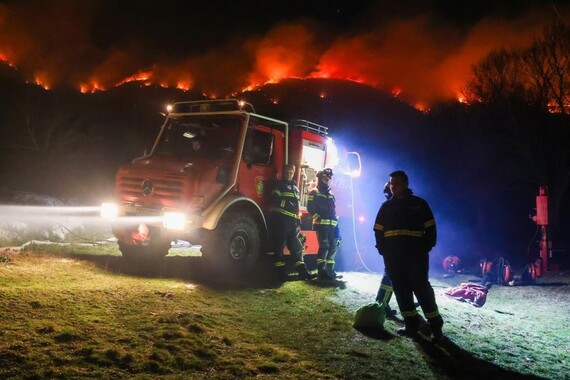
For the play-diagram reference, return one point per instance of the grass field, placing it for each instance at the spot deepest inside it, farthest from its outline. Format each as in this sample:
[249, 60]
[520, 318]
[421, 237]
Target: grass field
[72, 312]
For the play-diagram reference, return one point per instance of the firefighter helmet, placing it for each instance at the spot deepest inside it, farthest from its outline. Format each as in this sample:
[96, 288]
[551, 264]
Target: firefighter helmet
[387, 191]
[325, 173]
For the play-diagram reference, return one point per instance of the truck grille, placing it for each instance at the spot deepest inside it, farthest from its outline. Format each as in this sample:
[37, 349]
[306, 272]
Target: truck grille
[164, 191]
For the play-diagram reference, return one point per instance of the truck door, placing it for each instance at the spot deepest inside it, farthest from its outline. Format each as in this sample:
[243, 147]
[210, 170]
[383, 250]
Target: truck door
[261, 163]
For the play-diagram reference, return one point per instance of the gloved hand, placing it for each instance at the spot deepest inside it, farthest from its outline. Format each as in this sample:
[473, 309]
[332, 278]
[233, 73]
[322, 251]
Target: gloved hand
[338, 242]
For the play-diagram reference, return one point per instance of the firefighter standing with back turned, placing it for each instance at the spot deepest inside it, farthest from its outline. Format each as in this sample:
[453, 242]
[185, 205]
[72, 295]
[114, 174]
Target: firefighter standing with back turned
[321, 207]
[284, 225]
[405, 233]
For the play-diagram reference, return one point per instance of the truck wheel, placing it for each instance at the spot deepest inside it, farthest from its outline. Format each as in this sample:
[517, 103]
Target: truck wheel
[234, 245]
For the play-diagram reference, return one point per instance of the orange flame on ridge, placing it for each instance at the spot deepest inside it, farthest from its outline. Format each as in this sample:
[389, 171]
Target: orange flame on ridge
[40, 79]
[140, 76]
[91, 87]
[4, 58]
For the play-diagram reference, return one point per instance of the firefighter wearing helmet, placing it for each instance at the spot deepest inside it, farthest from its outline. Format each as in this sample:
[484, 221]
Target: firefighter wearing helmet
[321, 207]
[284, 225]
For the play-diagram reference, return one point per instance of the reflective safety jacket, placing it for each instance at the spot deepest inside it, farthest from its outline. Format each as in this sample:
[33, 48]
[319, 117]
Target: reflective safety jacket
[321, 206]
[285, 198]
[405, 223]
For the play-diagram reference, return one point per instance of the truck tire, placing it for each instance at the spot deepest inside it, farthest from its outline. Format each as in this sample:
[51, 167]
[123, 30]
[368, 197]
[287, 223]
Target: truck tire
[234, 246]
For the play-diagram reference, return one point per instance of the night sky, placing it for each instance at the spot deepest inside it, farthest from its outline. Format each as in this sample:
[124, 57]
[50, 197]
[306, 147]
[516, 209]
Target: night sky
[422, 51]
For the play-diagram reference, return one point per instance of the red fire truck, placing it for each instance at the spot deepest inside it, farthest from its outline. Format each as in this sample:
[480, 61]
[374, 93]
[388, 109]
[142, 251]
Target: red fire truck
[208, 177]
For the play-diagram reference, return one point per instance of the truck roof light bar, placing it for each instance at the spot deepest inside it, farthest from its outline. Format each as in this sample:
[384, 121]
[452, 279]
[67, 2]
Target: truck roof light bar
[310, 126]
[206, 106]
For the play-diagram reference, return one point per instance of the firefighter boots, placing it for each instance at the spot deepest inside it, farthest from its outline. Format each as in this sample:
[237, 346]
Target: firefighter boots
[391, 313]
[331, 273]
[408, 331]
[436, 325]
[304, 273]
[322, 273]
[411, 327]
[281, 272]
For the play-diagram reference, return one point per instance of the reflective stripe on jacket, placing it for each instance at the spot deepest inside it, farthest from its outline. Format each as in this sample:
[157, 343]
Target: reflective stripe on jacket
[405, 222]
[285, 198]
[321, 206]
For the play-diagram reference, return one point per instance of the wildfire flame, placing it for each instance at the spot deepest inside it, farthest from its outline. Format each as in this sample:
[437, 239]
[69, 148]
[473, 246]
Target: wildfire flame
[4, 58]
[91, 87]
[422, 107]
[140, 76]
[184, 85]
[417, 59]
[40, 79]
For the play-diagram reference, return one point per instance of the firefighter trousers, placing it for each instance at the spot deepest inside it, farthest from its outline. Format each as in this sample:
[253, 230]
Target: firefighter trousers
[283, 231]
[326, 236]
[408, 270]
[386, 290]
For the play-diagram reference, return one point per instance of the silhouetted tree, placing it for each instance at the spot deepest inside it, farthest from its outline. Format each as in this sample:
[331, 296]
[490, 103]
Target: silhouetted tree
[44, 129]
[496, 79]
[538, 75]
[547, 64]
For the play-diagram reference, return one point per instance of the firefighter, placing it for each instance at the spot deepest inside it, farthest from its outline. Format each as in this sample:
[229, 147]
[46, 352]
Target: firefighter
[385, 290]
[284, 225]
[321, 207]
[405, 233]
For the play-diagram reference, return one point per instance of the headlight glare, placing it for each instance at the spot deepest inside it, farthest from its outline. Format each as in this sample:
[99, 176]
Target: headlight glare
[109, 210]
[174, 220]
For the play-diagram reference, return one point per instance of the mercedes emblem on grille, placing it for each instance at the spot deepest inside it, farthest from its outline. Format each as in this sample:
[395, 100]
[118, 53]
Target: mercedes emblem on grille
[146, 187]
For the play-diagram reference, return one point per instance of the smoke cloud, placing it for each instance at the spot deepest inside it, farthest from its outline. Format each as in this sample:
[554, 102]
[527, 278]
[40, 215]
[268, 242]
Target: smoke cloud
[419, 59]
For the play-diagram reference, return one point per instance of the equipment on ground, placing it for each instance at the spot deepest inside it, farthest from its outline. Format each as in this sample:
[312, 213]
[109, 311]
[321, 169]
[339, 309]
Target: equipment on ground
[370, 317]
[451, 264]
[531, 272]
[498, 271]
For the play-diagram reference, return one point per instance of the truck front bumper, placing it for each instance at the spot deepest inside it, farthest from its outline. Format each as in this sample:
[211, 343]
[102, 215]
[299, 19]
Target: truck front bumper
[131, 223]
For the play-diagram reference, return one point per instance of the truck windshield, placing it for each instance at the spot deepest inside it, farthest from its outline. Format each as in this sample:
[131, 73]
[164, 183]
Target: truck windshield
[199, 137]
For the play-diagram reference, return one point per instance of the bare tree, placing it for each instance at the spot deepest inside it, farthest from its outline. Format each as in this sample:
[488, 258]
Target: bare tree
[547, 64]
[539, 73]
[498, 77]
[40, 129]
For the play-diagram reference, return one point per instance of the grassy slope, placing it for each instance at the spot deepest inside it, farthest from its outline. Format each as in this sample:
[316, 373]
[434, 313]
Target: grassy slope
[74, 316]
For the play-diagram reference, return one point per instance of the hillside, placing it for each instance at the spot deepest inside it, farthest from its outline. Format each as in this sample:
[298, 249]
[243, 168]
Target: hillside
[99, 131]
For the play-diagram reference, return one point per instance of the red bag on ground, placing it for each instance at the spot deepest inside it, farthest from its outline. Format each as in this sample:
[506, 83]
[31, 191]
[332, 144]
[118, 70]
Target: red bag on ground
[472, 293]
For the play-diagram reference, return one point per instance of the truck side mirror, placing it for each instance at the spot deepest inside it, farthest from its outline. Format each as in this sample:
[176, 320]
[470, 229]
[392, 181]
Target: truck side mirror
[354, 163]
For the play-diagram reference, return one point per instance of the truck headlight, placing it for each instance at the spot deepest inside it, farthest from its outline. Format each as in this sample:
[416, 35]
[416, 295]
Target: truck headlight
[174, 220]
[109, 210]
